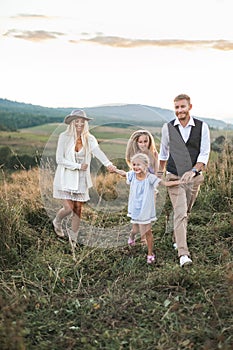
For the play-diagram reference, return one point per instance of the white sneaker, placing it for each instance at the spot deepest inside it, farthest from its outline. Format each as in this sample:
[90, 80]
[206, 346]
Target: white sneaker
[175, 246]
[185, 260]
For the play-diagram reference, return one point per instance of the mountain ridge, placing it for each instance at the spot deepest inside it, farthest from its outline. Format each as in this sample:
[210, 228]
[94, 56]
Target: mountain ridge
[25, 114]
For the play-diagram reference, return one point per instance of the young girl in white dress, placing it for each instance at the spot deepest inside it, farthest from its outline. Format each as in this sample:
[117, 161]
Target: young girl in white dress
[142, 141]
[72, 178]
[141, 203]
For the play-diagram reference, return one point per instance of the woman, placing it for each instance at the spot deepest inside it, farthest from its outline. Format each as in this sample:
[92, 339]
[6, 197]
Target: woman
[72, 178]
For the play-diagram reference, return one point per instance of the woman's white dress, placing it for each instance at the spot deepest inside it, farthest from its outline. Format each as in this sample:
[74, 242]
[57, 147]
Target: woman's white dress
[82, 193]
[70, 182]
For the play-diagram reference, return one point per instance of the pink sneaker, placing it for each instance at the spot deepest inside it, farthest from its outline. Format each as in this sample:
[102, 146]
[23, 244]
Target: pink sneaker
[150, 259]
[131, 241]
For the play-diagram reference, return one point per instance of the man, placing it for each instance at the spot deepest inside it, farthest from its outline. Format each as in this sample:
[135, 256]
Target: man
[184, 149]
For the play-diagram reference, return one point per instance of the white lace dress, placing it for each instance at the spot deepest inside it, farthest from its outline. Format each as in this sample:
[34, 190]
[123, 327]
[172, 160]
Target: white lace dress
[82, 194]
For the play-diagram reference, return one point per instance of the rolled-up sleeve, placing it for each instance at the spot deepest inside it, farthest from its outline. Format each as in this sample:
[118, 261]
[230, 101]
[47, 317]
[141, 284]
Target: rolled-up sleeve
[164, 144]
[98, 153]
[205, 145]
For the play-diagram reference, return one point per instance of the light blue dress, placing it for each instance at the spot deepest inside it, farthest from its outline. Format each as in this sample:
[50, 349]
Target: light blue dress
[141, 204]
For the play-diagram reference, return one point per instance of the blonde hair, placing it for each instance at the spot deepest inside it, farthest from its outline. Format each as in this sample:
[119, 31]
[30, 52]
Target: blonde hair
[142, 157]
[71, 130]
[132, 147]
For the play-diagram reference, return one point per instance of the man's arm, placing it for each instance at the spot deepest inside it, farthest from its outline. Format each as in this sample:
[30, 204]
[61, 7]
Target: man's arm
[203, 156]
[199, 167]
[162, 165]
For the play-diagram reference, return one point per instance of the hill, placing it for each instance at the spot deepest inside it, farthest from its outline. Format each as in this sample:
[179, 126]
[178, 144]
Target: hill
[16, 115]
[149, 115]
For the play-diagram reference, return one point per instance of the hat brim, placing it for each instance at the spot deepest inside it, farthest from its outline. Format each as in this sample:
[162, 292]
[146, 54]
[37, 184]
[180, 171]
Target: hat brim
[69, 118]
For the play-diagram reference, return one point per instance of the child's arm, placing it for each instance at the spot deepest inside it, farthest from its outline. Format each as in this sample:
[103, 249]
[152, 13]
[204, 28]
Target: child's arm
[120, 172]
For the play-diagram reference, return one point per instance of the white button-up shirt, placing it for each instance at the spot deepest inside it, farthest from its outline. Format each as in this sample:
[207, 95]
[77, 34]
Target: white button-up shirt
[185, 132]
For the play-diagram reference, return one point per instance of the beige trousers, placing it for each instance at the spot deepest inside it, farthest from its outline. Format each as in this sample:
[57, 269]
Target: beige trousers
[182, 198]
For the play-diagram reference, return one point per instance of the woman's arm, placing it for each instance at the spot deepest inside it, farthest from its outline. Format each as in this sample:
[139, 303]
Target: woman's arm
[99, 154]
[154, 161]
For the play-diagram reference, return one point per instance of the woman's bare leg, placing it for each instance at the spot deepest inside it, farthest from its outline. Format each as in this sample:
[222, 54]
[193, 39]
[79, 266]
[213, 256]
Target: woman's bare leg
[61, 214]
[76, 218]
[64, 211]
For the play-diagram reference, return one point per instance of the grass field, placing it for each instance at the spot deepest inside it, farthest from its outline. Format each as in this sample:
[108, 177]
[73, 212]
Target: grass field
[107, 297]
[33, 140]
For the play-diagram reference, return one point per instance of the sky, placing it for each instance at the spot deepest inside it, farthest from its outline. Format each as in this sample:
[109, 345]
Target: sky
[86, 53]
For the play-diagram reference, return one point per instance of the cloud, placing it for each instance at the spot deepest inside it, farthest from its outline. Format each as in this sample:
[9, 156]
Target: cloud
[115, 41]
[223, 45]
[29, 16]
[35, 36]
[119, 42]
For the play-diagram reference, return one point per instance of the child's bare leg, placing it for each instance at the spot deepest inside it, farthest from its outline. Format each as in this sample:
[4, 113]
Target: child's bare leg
[149, 239]
[143, 229]
[134, 231]
[143, 239]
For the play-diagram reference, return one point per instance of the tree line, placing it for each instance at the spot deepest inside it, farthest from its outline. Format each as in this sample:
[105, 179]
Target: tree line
[13, 121]
[16, 115]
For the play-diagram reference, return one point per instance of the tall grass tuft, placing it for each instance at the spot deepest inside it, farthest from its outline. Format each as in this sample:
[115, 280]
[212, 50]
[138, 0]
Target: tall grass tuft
[218, 189]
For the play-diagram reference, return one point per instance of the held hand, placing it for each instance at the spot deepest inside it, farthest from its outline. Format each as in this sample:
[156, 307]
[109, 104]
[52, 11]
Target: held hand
[159, 174]
[120, 172]
[188, 176]
[111, 168]
[84, 167]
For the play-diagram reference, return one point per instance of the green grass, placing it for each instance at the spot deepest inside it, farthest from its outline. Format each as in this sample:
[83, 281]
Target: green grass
[110, 299]
[32, 140]
[45, 129]
[23, 143]
[101, 298]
